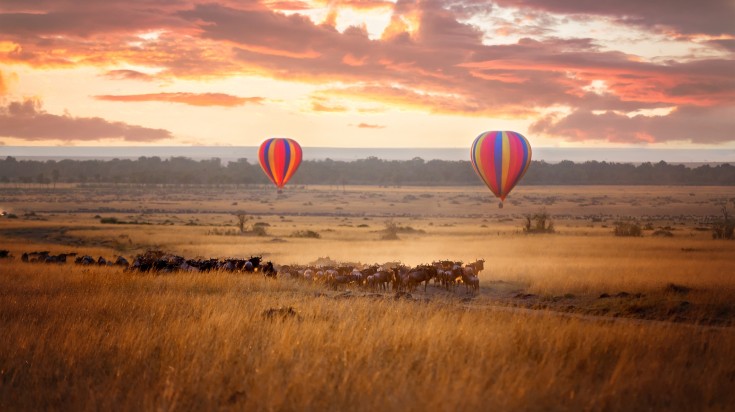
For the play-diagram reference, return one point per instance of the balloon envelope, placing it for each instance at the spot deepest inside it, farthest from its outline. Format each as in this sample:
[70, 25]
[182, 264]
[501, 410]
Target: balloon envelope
[500, 158]
[279, 158]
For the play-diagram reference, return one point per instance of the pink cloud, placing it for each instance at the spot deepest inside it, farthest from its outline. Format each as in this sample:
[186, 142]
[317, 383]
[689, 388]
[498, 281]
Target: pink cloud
[128, 75]
[687, 123]
[193, 99]
[28, 121]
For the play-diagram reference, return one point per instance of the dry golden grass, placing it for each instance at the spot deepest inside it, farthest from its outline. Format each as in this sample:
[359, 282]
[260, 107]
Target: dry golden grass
[97, 338]
[90, 338]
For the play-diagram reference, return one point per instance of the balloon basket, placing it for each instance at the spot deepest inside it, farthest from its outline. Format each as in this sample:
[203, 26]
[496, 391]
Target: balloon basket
[500, 205]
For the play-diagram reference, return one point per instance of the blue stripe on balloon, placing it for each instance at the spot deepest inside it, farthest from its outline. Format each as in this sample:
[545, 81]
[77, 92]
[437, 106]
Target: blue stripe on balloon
[498, 160]
[286, 158]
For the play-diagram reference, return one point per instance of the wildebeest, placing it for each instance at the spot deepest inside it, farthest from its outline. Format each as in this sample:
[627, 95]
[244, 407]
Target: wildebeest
[268, 270]
[84, 260]
[471, 281]
[383, 278]
[121, 261]
[422, 273]
[477, 266]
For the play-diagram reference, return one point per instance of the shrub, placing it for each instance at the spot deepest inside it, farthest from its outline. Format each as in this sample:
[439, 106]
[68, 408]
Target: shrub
[539, 223]
[663, 233]
[306, 234]
[390, 232]
[627, 229]
[259, 231]
[109, 220]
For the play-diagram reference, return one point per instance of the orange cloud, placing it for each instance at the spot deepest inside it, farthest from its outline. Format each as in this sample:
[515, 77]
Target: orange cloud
[193, 99]
[320, 107]
[370, 126]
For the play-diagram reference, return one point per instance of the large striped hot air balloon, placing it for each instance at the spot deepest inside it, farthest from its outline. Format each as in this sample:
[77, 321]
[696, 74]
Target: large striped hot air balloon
[500, 158]
[279, 158]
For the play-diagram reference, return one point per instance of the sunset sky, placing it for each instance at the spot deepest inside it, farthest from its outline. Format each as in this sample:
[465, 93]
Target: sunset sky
[364, 73]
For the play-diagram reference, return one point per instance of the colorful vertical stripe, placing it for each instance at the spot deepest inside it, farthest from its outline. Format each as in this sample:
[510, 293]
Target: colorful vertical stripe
[279, 158]
[500, 158]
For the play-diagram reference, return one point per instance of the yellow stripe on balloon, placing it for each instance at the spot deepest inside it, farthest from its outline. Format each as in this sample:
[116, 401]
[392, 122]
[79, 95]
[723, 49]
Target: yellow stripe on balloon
[476, 159]
[272, 161]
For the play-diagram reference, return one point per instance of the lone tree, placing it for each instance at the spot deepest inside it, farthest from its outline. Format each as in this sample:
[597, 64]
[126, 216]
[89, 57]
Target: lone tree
[725, 228]
[242, 219]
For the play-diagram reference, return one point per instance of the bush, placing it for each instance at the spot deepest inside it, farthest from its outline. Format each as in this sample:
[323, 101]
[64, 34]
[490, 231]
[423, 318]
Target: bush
[223, 232]
[110, 220]
[663, 233]
[306, 234]
[631, 229]
[259, 231]
[539, 223]
[390, 232]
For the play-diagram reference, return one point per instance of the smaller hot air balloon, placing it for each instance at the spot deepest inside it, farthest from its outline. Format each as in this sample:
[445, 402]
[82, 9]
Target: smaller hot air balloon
[500, 158]
[279, 158]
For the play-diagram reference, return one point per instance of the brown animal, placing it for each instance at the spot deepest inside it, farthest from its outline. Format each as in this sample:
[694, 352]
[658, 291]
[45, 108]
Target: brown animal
[471, 282]
[422, 273]
[477, 266]
[381, 278]
[400, 277]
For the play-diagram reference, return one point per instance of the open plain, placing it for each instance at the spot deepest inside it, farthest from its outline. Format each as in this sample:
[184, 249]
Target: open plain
[574, 319]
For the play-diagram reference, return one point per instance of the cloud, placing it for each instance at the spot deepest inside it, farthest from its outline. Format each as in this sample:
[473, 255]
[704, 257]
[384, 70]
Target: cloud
[686, 123]
[28, 121]
[128, 75]
[3, 86]
[430, 57]
[707, 17]
[370, 126]
[193, 99]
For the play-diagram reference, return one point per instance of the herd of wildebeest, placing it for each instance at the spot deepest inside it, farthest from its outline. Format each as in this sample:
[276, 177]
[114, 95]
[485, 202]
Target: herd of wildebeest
[396, 276]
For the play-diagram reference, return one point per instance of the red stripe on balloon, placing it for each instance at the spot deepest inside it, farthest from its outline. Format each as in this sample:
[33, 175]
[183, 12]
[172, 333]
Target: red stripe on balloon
[488, 157]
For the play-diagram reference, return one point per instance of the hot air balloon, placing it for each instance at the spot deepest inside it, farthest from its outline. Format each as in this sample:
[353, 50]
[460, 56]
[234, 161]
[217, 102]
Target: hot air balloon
[279, 158]
[500, 158]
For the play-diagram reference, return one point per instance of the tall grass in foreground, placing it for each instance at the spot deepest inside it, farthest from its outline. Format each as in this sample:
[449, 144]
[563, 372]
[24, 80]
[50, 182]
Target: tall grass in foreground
[99, 339]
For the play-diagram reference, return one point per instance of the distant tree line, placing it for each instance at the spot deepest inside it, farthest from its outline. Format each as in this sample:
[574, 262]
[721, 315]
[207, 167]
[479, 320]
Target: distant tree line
[369, 171]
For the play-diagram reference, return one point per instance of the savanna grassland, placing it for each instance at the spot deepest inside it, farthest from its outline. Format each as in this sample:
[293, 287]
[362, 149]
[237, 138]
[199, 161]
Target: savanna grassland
[578, 319]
